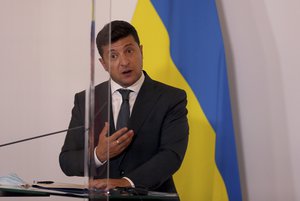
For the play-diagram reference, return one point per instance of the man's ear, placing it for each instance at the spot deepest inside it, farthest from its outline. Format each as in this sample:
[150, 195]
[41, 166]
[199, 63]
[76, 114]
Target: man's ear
[141, 48]
[103, 64]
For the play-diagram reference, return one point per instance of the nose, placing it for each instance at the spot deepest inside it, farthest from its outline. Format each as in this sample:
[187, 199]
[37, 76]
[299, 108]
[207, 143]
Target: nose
[124, 60]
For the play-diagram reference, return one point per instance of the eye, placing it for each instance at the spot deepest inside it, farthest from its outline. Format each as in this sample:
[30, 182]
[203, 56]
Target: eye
[129, 50]
[113, 56]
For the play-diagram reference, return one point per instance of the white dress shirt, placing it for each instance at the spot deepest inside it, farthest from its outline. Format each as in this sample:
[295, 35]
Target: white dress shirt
[117, 97]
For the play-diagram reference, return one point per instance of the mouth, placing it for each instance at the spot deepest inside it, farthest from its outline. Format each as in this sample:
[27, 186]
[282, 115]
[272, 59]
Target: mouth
[126, 72]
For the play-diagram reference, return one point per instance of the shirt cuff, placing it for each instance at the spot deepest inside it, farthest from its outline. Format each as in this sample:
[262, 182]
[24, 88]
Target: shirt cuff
[98, 163]
[129, 180]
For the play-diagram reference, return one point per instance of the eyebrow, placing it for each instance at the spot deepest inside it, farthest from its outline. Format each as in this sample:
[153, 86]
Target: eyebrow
[125, 46]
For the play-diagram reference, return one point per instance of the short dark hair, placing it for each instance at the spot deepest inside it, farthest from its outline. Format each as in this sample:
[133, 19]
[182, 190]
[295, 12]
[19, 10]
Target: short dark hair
[119, 29]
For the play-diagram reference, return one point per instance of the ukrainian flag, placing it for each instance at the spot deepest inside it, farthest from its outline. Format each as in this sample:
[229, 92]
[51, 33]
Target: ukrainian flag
[183, 47]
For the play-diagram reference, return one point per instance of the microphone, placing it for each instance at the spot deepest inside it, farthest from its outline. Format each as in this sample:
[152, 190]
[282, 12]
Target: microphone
[52, 133]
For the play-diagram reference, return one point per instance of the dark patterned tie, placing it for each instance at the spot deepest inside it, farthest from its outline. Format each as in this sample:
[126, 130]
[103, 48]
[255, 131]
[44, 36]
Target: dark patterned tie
[124, 110]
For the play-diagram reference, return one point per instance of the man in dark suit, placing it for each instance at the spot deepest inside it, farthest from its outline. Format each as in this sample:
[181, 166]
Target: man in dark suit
[150, 149]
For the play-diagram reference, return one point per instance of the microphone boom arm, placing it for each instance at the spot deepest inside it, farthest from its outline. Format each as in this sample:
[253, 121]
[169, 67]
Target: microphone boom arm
[41, 136]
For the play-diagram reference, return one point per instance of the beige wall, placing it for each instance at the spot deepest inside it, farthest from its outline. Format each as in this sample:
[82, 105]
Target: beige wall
[44, 60]
[262, 46]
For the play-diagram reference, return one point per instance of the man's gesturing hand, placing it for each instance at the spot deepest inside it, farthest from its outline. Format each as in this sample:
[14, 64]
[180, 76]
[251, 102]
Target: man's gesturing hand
[114, 144]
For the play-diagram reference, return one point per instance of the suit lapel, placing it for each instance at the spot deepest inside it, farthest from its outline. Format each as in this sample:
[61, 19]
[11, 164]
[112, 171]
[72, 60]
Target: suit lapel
[146, 99]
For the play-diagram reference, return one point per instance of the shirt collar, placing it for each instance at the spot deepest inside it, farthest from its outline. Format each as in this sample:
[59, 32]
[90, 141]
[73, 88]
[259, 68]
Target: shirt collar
[135, 87]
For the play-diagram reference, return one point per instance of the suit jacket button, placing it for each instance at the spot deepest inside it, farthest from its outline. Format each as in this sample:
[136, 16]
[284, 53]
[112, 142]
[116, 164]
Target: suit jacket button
[122, 172]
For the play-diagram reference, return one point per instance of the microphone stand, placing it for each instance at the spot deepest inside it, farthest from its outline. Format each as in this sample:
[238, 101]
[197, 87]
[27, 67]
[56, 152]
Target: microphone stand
[54, 133]
[41, 136]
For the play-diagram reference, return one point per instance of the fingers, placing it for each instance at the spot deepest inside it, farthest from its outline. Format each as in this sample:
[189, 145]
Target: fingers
[114, 144]
[104, 130]
[118, 134]
[125, 137]
[122, 142]
[109, 183]
[99, 183]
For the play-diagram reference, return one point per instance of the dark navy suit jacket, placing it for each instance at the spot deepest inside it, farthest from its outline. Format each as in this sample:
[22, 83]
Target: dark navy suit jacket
[159, 121]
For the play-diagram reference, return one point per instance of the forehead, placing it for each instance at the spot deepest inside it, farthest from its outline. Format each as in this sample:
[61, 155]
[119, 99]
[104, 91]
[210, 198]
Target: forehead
[120, 44]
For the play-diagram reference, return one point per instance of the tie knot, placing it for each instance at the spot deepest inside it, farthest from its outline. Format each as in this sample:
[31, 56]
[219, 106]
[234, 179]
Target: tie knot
[124, 93]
